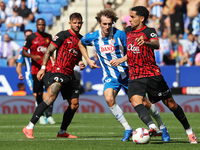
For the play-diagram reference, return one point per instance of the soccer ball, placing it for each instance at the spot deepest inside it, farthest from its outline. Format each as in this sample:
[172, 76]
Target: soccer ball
[141, 136]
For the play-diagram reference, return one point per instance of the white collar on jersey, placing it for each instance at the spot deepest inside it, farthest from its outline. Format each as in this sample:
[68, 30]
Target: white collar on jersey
[110, 35]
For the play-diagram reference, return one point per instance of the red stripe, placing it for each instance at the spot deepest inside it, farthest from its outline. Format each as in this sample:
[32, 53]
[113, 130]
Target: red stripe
[54, 44]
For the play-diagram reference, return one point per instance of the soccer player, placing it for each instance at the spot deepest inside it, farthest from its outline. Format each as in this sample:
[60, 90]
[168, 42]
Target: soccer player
[21, 59]
[62, 75]
[144, 74]
[110, 45]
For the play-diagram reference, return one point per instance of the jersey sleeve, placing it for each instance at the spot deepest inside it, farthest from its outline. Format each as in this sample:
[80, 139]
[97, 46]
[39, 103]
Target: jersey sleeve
[151, 34]
[27, 43]
[87, 39]
[58, 40]
[123, 40]
[20, 58]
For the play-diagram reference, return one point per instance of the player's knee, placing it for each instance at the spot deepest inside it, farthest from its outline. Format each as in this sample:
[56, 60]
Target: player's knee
[110, 101]
[75, 106]
[170, 103]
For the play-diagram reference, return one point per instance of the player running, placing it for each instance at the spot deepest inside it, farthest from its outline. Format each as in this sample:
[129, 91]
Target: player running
[145, 76]
[110, 45]
[62, 75]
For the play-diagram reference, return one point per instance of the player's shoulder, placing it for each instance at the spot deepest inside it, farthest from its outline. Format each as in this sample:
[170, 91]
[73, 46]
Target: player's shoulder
[47, 35]
[92, 35]
[151, 32]
[128, 29]
[31, 36]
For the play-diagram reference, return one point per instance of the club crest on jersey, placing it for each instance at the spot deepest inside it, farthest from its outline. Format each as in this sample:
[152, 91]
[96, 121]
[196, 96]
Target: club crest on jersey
[107, 48]
[112, 41]
[47, 40]
[55, 38]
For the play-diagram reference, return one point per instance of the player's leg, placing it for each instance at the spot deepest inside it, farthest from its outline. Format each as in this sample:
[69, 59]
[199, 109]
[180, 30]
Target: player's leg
[67, 118]
[38, 89]
[160, 90]
[180, 115]
[155, 114]
[52, 93]
[48, 111]
[136, 92]
[111, 89]
[71, 93]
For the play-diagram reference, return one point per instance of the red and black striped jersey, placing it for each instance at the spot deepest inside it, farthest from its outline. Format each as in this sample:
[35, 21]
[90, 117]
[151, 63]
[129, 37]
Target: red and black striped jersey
[141, 59]
[38, 45]
[67, 53]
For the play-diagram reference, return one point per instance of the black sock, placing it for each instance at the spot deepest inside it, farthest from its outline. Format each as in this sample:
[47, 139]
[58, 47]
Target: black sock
[144, 115]
[38, 112]
[180, 115]
[48, 111]
[67, 118]
[39, 98]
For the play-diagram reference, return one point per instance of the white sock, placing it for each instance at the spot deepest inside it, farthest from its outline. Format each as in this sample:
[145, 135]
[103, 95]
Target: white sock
[62, 131]
[30, 125]
[155, 114]
[152, 126]
[189, 131]
[117, 112]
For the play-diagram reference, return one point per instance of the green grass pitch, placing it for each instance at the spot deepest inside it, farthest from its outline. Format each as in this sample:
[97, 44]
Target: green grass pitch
[95, 132]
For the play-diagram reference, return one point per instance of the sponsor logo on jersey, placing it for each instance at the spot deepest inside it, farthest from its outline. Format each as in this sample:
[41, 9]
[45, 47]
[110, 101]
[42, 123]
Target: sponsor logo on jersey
[107, 48]
[41, 49]
[134, 49]
[153, 35]
[73, 51]
[55, 38]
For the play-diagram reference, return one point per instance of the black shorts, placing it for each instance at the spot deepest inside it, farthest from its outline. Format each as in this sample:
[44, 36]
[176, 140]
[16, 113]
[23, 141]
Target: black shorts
[37, 85]
[46, 79]
[156, 88]
[69, 84]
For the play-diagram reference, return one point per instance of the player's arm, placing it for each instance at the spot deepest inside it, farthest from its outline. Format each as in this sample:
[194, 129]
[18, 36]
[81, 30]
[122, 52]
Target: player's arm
[48, 53]
[19, 71]
[80, 63]
[116, 62]
[84, 52]
[154, 44]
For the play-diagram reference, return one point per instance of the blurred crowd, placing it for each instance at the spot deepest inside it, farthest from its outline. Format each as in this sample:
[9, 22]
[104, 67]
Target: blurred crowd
[178, 26]
[14, 16]
[176, 22]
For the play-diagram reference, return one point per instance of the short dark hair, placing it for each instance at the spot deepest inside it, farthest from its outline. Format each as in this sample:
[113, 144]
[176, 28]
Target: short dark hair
[109, 13]
[141, 11]
[15, 9]
[75, 15]
[40, 19]
[27, 30]
[20, 84]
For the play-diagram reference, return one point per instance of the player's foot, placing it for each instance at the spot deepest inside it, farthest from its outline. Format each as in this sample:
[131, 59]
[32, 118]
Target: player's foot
[155, 132]
[42, 120]
[127, 135]
[192, 138]
[66, 135]
[165, 134]
[51, 120]
[28, 133]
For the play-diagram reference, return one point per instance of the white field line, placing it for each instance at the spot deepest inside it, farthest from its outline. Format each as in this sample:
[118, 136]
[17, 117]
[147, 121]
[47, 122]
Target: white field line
[79, 139]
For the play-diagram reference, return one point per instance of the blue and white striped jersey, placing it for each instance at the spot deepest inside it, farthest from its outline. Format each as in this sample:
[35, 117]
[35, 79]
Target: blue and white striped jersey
[108, 48]
[28, 76]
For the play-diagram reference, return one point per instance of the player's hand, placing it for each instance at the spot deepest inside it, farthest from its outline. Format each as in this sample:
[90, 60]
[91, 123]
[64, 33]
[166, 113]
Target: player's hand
[92, 64]
[40, 74]
[20, 77]
[115, 62]
[36, 57]
[140, 42]
[81, 65]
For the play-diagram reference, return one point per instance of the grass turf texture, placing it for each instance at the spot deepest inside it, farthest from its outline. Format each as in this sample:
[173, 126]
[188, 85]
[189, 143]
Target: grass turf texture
[94, 131]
